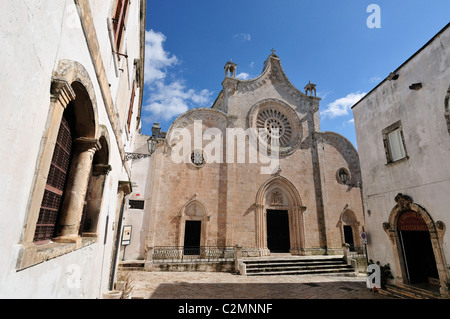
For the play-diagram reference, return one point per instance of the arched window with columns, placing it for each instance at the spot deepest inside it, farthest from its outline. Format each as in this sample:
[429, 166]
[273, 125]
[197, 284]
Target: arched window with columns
[64, 166]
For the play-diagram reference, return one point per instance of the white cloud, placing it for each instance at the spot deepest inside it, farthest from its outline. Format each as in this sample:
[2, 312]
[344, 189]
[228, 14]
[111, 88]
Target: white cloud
[341, 107]
[243, 36]
[351, 121]
[156, 59]
[243, 76]
[166, 100]
[375, 79]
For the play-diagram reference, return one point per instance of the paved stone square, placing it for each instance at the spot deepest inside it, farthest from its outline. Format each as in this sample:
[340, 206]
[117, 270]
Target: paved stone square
[215, 285]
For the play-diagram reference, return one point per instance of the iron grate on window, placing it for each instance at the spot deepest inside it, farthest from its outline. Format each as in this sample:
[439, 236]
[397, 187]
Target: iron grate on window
[56, 180]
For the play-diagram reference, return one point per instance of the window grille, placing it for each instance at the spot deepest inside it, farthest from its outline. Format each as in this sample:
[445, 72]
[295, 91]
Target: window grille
[56, 180]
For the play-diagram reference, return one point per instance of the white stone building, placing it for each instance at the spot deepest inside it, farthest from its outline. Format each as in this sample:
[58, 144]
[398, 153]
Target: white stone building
[71, 91]
[403, 134]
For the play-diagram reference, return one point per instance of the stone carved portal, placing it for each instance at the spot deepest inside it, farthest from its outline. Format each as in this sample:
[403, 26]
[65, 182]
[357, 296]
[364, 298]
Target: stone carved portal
[411, 227]
[279, 195]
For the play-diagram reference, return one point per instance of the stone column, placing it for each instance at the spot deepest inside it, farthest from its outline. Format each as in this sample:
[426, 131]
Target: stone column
[76, 189]
[99, 173]
[295, 230]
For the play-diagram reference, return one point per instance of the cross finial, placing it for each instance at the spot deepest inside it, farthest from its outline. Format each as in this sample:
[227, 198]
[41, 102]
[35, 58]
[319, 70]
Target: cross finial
[273, 51]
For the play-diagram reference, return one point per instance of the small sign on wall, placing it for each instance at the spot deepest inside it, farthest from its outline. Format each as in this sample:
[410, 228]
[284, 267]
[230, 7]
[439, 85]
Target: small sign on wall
[126, 235]
[364, 238]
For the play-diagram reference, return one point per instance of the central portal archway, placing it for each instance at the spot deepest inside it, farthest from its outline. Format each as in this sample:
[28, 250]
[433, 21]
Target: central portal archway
[279, 220]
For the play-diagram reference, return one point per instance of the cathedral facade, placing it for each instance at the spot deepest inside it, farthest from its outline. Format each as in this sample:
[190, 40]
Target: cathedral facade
[253, 170]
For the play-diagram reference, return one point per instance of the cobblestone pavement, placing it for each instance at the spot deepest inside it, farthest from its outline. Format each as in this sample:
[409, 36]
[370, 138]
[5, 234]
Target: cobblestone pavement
[213, 285]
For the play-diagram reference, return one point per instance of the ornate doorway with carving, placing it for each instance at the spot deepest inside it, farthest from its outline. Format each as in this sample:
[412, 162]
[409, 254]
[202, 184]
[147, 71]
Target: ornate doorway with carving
[420, 263]
[279, 218]
[417, 242]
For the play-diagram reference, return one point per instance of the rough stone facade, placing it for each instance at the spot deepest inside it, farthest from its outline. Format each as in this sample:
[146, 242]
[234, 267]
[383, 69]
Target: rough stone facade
[231, 192]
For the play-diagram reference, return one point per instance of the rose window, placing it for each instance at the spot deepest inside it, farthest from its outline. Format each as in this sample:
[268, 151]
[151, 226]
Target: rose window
[276, 127]
[197, 159]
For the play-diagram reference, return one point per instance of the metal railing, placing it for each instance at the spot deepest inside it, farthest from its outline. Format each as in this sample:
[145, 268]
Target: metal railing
[357, 251]
[202, 254]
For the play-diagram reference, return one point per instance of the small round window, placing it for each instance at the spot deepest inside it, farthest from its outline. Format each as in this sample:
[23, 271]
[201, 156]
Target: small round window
[197, 158]
[343, 176]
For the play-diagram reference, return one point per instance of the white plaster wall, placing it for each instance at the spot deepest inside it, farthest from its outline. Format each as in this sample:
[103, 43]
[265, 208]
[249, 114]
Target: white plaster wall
[425, 176]
[137, 218]
[34, 37]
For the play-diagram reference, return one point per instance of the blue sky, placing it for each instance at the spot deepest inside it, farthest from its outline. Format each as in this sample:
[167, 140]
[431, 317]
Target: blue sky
[326, 42]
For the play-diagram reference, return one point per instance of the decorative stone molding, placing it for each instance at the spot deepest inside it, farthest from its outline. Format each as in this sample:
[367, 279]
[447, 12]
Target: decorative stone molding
[403, 201]
[276, 198]
[60, 90]
[213, 117]
[101, 169]
[83, 144]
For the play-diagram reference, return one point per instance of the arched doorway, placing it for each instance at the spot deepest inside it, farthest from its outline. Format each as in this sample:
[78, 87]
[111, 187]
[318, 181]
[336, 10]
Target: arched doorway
[349, 227]
[279, 220]
[192, 227]
[417, 251]
[412, 231]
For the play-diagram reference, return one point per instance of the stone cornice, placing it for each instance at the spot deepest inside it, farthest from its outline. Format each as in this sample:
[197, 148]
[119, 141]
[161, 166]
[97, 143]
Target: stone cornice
[188, 118]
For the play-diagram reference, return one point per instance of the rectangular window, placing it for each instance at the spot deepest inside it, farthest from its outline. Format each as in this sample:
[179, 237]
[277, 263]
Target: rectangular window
[130, 110]
[394, 143]
[119, 21]
[136, 204]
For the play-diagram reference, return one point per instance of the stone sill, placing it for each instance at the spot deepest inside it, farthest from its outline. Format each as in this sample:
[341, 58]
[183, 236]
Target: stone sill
[404, 159]
[32, 254]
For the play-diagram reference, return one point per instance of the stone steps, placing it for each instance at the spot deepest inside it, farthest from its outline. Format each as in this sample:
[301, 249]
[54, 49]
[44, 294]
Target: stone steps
[297, 266]
[132, 265]
[404, 291]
